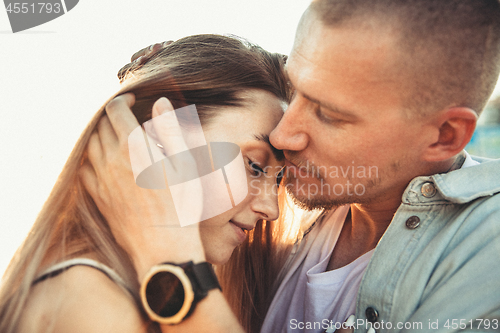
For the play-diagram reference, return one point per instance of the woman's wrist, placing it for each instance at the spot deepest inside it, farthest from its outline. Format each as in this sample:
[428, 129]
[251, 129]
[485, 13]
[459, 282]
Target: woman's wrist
[168, 246]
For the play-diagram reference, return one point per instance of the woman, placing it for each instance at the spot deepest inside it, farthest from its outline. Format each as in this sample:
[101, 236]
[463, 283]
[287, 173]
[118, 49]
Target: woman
[238, 90]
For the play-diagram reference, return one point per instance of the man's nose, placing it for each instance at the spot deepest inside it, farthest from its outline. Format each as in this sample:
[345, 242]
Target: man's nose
[291, 132]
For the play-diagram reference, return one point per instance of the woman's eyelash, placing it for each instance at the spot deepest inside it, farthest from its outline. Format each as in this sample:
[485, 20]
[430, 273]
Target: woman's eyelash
[255, 167]
[280, 176]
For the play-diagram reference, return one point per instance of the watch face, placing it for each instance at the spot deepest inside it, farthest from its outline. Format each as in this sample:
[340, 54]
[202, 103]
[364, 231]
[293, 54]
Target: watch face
[165, 294]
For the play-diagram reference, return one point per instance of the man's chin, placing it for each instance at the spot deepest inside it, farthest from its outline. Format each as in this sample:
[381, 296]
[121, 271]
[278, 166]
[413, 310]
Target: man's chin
[311, 201]
[312, 204]
[315, 202]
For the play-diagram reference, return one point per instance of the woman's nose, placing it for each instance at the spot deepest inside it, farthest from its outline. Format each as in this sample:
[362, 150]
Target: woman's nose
[265, 203]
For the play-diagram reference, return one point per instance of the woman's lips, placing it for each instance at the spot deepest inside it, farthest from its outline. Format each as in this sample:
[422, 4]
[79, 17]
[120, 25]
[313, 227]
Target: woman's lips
[239, 229]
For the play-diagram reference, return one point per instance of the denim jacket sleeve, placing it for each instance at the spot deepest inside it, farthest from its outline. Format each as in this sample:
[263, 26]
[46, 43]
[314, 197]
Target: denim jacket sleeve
[437, 267]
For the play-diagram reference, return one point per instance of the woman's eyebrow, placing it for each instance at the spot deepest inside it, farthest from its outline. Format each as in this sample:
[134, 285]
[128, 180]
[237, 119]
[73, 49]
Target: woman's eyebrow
[278, 154]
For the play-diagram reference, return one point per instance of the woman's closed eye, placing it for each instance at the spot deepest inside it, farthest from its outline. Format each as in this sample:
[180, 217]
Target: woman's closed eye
[255, 169]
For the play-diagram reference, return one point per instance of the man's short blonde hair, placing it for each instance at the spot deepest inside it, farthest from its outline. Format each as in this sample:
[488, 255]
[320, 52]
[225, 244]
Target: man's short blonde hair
[450, 49]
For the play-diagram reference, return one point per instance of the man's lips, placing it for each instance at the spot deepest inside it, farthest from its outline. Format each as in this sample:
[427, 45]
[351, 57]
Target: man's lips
[291, 160]
[290, 164]
[294, 171]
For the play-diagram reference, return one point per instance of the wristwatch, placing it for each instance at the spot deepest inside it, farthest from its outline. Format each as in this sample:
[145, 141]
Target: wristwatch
[170, 292]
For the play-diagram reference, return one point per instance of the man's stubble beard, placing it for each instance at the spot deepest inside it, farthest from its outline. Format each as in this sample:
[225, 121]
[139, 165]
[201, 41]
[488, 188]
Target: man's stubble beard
[324, 201]
[320, 201]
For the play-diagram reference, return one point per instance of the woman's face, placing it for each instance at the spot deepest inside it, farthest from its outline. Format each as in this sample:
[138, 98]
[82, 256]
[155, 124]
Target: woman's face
[248, 127]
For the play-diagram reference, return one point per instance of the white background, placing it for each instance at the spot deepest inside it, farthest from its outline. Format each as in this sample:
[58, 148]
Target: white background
[55, 76]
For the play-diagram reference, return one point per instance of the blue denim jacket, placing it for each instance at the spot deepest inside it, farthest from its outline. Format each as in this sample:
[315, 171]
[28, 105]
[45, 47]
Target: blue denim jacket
[437, 267]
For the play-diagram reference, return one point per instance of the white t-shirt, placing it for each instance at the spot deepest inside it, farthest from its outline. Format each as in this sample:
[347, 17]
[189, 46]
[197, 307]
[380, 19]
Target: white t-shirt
[309, 298]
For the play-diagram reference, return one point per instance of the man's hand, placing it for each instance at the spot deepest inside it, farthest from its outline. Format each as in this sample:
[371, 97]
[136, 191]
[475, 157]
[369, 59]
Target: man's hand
[143, 221]
[143, 54]
[140, 57]
[347, 327]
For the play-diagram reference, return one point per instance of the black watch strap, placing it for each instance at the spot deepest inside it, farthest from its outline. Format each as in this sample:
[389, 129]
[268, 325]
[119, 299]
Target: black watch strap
[205, 277]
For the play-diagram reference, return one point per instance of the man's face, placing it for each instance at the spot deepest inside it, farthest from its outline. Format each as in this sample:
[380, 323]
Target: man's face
[347, 122]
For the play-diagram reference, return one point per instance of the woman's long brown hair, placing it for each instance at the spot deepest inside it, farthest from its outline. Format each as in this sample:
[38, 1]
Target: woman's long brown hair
[207, 70]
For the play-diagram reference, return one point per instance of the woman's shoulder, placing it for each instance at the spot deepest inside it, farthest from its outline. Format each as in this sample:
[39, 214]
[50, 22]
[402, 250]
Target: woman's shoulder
[81, 299]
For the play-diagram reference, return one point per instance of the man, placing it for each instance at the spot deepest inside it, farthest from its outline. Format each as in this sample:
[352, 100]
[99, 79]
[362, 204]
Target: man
[394, 87]
[387, 96]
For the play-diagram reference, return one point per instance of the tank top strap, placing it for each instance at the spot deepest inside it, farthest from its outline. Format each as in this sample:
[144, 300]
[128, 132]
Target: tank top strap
[65, 265]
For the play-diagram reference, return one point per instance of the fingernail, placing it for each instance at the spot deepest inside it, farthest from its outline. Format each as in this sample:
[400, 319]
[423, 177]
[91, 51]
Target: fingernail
[167, 43]
[151, 47]
[164, 105]
[350, 321]
[330, 329]
[371, 330]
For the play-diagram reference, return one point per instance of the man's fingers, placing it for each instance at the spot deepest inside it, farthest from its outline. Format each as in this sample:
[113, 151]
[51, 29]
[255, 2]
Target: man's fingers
[140, 57]
[345, 330]
[347, 326]
[138, 54]
[143, 55]
[121, 117]
[89, 179]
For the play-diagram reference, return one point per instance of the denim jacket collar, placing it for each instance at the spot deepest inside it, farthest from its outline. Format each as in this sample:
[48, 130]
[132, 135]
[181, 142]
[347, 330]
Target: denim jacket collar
[460, 186]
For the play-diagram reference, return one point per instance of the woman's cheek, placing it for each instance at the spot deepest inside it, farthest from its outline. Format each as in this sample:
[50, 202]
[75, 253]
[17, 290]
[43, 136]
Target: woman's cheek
[255, 187]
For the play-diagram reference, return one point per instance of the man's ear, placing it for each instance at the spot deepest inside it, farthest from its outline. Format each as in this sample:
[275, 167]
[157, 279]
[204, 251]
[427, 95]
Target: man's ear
[455, 126]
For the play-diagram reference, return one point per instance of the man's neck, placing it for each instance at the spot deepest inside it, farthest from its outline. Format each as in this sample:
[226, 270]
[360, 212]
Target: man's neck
[366, 223]
[370, 220]
[361, 232]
